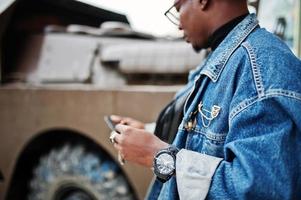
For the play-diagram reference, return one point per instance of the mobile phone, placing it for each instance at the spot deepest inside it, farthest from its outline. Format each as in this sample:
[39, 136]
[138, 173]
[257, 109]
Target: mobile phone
[110, 123]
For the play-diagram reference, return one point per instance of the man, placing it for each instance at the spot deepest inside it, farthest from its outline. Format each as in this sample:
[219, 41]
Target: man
[240, 134]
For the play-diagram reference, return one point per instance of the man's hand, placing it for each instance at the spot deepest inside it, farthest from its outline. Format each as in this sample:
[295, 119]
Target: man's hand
[127, 121]
[137, 145]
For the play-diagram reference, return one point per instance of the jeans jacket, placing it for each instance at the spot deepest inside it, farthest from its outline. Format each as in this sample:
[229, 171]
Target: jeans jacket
[240, 137]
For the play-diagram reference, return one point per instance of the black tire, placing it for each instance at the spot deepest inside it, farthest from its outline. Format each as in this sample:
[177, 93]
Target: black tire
[71, 173]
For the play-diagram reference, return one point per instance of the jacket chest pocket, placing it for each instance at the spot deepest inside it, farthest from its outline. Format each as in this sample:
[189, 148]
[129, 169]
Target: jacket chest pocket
[210, 130]
[206, 142]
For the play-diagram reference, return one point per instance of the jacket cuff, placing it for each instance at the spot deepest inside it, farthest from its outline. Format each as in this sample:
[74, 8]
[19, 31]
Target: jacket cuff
[194, 173]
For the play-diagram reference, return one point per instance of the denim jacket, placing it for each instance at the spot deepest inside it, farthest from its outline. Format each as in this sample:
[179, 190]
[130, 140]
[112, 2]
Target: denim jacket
[240, 137]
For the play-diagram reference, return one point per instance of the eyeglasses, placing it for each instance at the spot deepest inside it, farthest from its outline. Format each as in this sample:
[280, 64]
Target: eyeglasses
[173, 15]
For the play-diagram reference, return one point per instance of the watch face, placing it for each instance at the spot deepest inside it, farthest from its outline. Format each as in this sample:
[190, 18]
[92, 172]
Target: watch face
[165, 164]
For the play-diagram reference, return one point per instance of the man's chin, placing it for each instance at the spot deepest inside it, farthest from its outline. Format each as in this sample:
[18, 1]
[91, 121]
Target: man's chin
[196, 48]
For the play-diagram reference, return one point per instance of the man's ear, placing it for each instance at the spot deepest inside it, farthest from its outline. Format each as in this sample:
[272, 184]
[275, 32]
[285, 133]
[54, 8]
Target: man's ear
[204, 3]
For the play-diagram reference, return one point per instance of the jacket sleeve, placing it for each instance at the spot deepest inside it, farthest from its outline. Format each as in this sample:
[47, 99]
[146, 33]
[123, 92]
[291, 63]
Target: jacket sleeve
[194, 173]
[262, 158]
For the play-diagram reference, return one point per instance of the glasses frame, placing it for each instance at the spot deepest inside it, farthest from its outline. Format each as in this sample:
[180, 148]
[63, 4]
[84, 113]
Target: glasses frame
[171, 17]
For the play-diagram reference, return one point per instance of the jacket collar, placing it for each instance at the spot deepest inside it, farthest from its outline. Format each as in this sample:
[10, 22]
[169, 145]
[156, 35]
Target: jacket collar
[219, 58]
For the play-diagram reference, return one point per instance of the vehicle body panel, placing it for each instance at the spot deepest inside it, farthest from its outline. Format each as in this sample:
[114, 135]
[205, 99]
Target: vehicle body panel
[28, 112]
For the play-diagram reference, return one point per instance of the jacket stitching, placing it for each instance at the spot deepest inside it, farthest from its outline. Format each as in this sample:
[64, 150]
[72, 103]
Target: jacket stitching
[226, 57]
[218, 137]
[286, 93]
[255, 69]
[269, 93]
[241, 106]
[212, 136]
[219, 61]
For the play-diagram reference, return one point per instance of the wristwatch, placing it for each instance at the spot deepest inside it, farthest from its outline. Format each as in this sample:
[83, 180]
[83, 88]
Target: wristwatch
[165, 163]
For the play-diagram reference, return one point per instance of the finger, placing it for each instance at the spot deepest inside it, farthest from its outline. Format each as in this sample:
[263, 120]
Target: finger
[128, 119]
[113, 136]
[124, 122]
[118, 138]
[116, 118]
[117, 147]
[121, 128]
[121, 159]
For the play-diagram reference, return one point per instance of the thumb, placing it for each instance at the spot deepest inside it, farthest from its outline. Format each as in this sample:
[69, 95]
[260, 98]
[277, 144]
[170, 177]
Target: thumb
[121, 128]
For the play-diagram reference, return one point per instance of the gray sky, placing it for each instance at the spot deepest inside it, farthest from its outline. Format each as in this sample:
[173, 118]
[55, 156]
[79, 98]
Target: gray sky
[144, 15]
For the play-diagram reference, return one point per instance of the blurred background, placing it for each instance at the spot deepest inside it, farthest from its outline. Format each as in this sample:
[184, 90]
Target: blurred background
[144, 16]
[65, 64]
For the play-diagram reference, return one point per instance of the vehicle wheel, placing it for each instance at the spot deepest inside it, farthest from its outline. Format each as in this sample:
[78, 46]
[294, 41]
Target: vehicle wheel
[71, 173]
